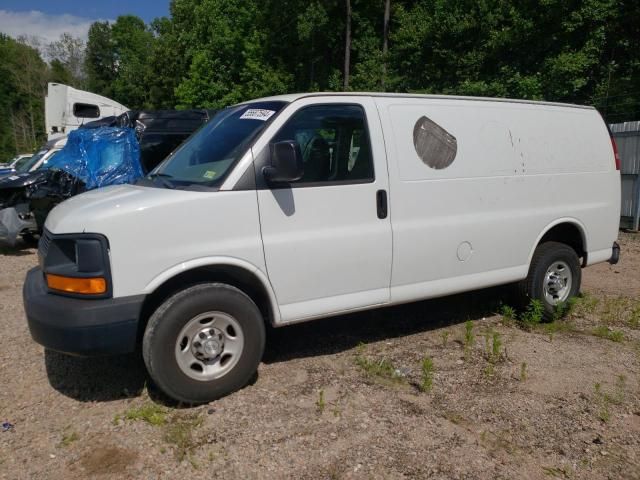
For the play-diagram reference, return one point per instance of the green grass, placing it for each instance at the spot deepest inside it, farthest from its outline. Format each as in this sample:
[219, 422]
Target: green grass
[603, 400]
[68, 438]
[178, 429]
[585, 305]
[321, 403]
[180, 433]
[382, 369]
[556, 472]
[445, 338]
[150, 413]
[469, 338]
[427, 374]
[614, 310]
[508, 313]
[605, 332]
[564, 309]
[634, 319]
[494, 352]
[496, 347]
[523, 371]
[533, 313]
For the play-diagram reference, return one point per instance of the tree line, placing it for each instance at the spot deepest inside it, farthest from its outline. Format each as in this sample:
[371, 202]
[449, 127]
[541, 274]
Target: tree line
[213, 53]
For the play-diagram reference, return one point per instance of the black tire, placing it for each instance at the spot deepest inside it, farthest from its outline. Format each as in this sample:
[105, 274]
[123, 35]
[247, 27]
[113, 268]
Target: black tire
[161, 335]
[543, 258]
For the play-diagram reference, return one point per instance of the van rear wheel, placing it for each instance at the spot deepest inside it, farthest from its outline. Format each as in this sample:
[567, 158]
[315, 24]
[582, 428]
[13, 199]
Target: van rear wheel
[204, 342]
[554, 277]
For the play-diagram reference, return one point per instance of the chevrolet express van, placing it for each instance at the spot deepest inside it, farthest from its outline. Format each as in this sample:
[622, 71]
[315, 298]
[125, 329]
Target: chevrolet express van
[296, 207]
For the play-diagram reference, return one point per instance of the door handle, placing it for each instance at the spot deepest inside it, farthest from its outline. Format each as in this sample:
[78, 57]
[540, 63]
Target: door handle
[381, 202]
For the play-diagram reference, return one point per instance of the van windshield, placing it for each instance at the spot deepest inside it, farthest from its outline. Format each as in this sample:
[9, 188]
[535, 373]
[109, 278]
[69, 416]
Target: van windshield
[212, 151]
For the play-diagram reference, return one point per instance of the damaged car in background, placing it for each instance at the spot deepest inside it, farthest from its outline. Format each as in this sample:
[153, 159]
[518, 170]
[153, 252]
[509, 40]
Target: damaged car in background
[109, 151]
[9, 166]
[16, 218]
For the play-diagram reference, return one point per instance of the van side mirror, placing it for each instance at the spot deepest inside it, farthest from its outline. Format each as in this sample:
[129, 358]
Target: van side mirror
[285, 163]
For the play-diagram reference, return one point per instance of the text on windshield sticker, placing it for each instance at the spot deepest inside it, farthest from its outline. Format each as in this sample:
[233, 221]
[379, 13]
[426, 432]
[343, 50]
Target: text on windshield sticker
[257, 114]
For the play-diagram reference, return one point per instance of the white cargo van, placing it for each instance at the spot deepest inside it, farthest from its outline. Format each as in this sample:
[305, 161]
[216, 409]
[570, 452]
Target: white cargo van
[297, 207]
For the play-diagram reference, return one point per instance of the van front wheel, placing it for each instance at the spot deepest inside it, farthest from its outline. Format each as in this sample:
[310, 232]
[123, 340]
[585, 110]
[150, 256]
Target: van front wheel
[204, 342]
[554, 277]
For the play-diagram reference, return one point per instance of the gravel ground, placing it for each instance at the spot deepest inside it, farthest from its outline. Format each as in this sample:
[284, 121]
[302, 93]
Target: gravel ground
[342, 397]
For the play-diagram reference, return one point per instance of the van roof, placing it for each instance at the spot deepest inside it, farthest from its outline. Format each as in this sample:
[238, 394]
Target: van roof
[296, 96]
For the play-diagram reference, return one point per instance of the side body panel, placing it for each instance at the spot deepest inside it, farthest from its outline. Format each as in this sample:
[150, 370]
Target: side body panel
[518, 170]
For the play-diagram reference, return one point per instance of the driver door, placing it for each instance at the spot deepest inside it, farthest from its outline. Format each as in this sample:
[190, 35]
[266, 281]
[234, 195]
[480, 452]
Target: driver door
[327, 244]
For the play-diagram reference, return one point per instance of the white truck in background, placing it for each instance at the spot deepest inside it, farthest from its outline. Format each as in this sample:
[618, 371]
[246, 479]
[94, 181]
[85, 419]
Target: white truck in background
[66, 108]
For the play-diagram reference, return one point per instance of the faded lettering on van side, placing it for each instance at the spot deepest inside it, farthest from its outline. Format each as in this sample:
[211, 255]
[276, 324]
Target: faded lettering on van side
[435, 146]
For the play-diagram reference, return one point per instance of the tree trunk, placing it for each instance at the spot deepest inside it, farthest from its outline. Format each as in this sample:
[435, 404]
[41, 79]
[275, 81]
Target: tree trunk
[33, 125]
[313, 62]
[347, 47]
[385, 41]
[14, 127]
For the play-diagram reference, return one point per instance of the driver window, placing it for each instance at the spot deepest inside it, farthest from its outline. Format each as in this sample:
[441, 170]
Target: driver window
[334, 143]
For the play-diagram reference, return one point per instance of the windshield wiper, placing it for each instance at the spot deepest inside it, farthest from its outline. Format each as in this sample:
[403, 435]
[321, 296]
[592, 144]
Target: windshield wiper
[163, 178]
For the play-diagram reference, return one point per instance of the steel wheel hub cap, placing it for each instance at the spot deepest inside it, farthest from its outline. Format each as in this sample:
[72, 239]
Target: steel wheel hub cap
[557, 283]
[209, 346]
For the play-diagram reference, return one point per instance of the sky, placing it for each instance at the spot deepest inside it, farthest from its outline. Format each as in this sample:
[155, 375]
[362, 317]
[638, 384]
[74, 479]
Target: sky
[49, 19]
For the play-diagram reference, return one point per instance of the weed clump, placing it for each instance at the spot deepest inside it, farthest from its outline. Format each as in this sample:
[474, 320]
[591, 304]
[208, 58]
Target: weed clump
[533, 314]
[427, 374]
[609, 334]
[508, 313]
[382, 369]
[68, 438]
[150, 413]
[469, 338]
[179, 432]
[523, 371]
[320, 402]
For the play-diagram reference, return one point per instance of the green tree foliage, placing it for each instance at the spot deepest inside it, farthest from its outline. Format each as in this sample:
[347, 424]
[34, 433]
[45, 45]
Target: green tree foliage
[23, 77]
[213, 53]
[100, 59]
[227, 48]
[118, 60]
[66, 59]
[132, 42]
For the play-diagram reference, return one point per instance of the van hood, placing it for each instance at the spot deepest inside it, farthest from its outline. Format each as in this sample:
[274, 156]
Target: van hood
[97, 210]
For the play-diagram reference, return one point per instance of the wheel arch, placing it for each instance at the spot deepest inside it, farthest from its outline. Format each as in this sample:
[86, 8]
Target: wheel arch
[231, 271]
[569, 231]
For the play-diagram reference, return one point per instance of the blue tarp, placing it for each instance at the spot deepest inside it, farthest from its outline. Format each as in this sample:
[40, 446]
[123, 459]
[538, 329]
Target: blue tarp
[100, 157]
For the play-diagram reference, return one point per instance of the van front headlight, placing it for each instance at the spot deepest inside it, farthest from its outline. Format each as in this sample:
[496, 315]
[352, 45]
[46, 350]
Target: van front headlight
[76, 264]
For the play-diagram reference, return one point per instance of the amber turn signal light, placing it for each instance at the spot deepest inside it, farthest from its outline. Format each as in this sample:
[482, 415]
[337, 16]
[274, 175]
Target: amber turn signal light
[92, 286]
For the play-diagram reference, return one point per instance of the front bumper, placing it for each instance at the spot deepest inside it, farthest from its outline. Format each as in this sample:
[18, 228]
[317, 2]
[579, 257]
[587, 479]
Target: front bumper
[80, 326]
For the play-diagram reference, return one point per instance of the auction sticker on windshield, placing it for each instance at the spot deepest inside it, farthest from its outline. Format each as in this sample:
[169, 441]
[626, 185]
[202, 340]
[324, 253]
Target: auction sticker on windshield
[257, 114]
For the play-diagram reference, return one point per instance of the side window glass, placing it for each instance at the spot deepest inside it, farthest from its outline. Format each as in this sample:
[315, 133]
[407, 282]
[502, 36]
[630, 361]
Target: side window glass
[334, 143]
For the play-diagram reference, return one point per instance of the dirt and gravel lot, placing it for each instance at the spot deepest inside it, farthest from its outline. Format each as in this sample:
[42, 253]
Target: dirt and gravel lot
[351, 397]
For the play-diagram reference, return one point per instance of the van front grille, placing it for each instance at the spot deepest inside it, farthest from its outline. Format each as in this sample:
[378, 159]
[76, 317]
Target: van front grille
[43, 246]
